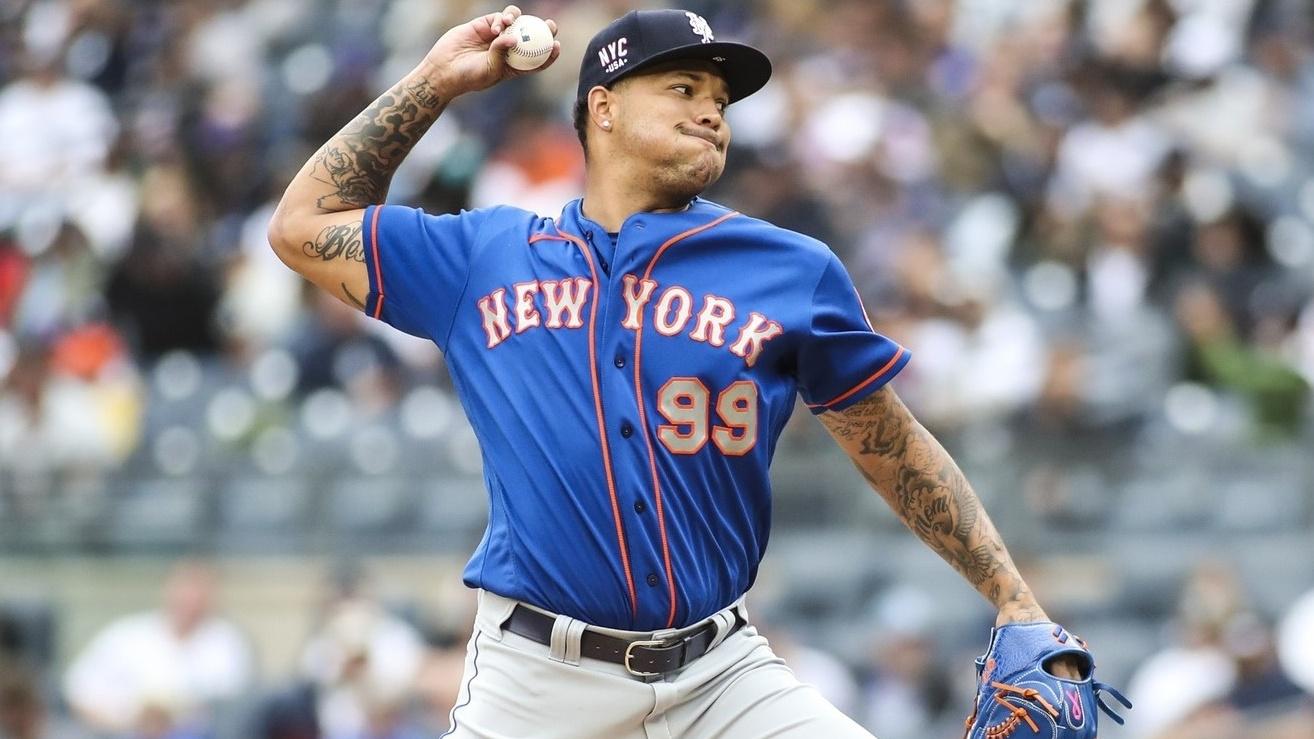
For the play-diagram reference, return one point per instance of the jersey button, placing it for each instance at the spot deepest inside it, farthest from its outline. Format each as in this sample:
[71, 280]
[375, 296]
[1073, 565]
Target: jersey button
[627, 430]
[639, 507]
[620, 361]
[652, 580]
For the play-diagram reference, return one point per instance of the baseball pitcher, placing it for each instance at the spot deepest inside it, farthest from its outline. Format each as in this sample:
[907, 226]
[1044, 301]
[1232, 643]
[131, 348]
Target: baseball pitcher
[627, 367]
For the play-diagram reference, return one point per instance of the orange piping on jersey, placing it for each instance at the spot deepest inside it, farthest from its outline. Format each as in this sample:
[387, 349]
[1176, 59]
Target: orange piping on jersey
[643, 420]
[597, 407]
[879, 373]
[865, 316]
[378, 273]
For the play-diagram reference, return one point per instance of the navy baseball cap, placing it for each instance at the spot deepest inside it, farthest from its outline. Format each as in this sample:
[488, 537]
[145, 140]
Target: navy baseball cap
[642, 38]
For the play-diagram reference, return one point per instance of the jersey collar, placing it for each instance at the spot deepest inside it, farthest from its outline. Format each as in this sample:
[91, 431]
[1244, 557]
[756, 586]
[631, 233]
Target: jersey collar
[698, 211]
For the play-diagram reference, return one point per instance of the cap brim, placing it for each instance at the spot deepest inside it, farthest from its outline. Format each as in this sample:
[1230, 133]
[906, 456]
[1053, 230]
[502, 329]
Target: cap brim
[745, 69]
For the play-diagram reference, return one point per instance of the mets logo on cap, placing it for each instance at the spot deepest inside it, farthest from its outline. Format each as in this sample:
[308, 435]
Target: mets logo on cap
[700, 27]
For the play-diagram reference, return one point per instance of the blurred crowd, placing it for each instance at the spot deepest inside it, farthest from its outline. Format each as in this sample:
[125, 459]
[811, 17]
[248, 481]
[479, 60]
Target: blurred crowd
[1079, 214]
[373, 668]
[185, 669]
[1092, 221]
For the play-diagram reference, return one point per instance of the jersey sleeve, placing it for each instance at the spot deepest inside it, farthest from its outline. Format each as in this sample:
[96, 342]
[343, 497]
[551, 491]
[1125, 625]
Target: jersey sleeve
[842, 359]
[417, 265]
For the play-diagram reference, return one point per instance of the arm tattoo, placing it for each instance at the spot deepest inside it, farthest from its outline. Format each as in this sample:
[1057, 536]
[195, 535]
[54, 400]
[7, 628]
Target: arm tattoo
[339, 241]
[358, 163]
[928, 492]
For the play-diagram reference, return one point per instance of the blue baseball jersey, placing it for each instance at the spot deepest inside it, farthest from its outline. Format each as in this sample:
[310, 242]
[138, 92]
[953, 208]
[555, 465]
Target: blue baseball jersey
[627, 395]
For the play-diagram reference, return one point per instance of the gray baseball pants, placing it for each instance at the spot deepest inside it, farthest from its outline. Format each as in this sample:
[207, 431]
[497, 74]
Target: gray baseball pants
[515, 688]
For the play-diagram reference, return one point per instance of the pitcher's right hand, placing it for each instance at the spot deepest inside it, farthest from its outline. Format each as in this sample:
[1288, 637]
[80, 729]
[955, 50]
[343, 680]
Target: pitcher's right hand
[472, 56]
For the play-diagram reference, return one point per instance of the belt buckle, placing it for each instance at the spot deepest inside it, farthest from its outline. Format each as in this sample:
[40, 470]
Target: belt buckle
[629, 654]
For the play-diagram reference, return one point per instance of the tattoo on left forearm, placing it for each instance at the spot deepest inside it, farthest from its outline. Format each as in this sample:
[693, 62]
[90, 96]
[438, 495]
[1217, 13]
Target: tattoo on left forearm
[928, 492]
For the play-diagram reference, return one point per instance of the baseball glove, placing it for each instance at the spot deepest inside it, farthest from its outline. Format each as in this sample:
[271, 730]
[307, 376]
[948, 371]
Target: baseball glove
[1018, 698]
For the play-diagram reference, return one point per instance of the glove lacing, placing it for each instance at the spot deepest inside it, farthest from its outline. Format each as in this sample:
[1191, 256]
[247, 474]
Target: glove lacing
[1018, 714]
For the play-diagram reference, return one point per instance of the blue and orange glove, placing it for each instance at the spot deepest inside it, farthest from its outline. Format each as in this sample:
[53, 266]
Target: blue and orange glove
[1018, 698]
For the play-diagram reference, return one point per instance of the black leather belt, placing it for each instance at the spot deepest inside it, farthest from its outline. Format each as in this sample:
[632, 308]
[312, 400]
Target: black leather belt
[641, 657]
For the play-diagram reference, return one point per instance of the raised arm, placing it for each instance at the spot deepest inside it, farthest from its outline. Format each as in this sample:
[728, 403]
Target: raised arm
[919, 480]
[316, 229]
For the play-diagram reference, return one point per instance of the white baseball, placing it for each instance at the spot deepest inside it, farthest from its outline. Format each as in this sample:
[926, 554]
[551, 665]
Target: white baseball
[533, 43]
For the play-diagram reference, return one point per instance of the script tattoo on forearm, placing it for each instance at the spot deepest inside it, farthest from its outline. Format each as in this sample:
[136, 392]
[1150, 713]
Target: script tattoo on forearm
[360, 160]
[928, 492]
[339, 241]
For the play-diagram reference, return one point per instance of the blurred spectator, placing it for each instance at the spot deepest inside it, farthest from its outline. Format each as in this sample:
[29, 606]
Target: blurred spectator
[1224, 672]
[159, 673]
[1194, 675]
[262, 299]
[1229, 255]
[164, 292]
[1276, 392]
[979, 353]
[69, 401]
[358, 675]
[62, 287]
[540, 168]
[73, 407]
[364, 662]
[334, 349]
[54, 133]
[906, 693]
[1261, 683]
[1116, 152]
